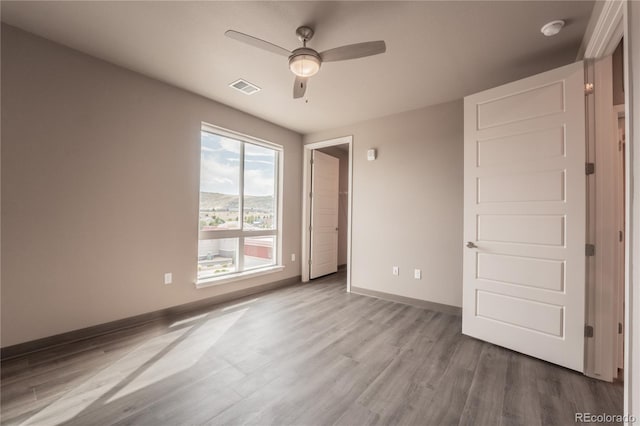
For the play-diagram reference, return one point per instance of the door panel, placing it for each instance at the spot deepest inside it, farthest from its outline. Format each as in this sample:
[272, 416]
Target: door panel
[516, 311]
[525, 213]
[325, 174]
[545, 186]
[520, 105]
[521, 148]
[525, 229]
[525, 271]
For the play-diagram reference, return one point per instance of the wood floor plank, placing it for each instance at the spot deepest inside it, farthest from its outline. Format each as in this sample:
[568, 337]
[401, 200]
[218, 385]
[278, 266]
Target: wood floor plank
[309, 354]
[486, 394]
[405, 403]
[356, 414]
[520, 405]
[451, 389]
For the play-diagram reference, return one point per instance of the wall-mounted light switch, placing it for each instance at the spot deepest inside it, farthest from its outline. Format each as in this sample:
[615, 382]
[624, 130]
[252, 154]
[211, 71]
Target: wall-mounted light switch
[168, 278]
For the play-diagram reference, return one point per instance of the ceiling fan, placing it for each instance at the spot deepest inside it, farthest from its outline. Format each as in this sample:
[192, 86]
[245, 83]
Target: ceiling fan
[305, 62]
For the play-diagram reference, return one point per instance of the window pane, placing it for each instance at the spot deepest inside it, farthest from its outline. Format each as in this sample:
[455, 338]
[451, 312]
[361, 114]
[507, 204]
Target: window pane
[259, 252]
[219, 182]
[259, 187]
[217, 257]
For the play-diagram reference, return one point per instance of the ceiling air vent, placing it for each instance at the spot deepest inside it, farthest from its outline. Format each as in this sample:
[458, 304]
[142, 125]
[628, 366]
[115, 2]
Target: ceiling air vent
[245, 87]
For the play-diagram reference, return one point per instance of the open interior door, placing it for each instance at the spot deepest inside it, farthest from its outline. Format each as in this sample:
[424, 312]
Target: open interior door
[525, 216]
[325, 177]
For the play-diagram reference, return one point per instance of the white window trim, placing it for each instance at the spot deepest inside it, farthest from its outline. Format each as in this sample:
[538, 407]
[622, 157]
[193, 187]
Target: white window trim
[240, 234]
[238, 276]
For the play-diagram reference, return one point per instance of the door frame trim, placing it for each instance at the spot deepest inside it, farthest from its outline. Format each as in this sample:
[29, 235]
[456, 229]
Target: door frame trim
[604, 30]
[603, 212]
[306, 204]
[609, 36]
[632, 216]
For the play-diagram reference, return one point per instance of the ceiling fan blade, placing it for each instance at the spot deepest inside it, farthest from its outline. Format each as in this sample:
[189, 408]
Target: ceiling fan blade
[299, 87]
[353, 51]
[256, 42]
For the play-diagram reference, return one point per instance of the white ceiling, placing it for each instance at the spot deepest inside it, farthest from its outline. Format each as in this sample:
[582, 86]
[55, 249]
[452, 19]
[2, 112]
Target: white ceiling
[436, 51]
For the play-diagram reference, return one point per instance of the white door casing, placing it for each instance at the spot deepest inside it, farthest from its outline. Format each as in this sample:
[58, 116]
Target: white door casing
[324, 214]
[525, 211]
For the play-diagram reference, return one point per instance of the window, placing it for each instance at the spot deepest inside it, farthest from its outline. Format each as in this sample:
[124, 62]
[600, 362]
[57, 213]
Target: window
[239, 193]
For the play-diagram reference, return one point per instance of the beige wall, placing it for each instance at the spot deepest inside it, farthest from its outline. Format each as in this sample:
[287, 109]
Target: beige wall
[100, 170]
[407, 204]
[343, 199]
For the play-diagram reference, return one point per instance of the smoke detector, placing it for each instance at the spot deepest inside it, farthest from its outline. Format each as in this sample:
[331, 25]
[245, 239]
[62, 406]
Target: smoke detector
[552, 28]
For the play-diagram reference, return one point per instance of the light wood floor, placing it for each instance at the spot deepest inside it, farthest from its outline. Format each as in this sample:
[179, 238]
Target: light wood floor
[305, 355]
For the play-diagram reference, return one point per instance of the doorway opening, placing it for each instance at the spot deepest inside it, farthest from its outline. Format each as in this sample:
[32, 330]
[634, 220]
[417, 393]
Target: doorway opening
[326, 221]
[619, 118]
[604, 345]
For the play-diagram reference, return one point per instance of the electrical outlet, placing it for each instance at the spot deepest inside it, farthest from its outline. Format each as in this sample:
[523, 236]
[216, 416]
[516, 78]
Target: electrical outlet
[168, 278]
[417, 274]
[395, 271]
[293, 257]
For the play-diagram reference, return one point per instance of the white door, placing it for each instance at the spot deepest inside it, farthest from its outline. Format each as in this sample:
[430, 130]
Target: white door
[325, 173]
[525, 216]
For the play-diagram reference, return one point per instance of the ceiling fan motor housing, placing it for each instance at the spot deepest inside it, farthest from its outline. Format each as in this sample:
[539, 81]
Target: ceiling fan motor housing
[304, 33]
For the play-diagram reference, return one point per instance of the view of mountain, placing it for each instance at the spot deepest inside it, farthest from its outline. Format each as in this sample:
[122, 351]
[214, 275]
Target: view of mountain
[217, 201]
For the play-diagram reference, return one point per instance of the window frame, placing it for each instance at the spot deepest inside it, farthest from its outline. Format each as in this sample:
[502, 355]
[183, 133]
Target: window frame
[240, 233]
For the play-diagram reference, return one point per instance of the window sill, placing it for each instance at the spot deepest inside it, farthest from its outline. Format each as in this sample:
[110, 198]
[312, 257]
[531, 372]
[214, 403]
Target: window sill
[210, 282]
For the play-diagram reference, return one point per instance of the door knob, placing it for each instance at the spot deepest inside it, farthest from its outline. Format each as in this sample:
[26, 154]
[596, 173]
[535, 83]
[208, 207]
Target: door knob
[471, 245]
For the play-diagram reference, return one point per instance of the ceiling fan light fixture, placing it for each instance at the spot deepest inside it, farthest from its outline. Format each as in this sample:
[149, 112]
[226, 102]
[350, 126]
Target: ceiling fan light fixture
[304, 65]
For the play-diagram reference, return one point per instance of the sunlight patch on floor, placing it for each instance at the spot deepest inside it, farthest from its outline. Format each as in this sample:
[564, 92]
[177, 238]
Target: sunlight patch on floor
[237, 305]
[188, 320]
[184, 348]
[81, 397]
[183, 355]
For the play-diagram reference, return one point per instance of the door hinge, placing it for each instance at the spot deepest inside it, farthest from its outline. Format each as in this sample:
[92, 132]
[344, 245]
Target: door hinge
[620, 236]
[588, 331]
[310, 228]
[309, 262]
[588, 88]
[589, 250]
[312, 161]
[619, 328]
[311, 195]
[589, 168]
